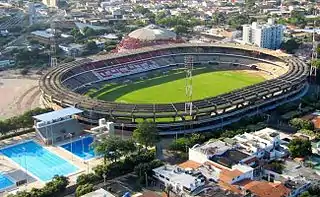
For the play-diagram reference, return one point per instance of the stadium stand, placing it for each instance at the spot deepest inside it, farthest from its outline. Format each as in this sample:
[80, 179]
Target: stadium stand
[63, 85]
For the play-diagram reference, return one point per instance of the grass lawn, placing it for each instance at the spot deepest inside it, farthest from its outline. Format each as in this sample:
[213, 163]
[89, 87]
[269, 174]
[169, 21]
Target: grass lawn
[161, 88]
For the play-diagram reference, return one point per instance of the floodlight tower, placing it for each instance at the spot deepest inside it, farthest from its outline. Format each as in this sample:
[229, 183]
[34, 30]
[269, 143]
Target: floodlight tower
[53, 49]
[314, 57]
[188, 62]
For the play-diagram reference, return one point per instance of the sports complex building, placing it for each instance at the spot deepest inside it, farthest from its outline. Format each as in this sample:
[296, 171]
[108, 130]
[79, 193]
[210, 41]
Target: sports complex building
[285, 79]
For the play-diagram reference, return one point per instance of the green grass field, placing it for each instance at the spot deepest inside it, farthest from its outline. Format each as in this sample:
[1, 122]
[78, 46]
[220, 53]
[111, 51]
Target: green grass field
[159, 88]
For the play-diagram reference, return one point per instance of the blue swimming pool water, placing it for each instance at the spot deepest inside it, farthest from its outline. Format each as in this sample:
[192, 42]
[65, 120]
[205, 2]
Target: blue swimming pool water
[82, 148]
[38, 161]
[5, 182]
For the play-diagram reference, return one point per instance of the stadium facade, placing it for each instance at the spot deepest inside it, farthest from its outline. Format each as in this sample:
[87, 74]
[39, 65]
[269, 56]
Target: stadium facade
[66, 85]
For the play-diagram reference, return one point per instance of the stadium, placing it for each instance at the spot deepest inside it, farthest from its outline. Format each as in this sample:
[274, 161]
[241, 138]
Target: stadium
[116, 86]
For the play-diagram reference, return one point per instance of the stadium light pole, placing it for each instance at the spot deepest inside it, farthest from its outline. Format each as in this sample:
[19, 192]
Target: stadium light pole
[70, 135]
[25, 160]
[82, 144]
[122, 125]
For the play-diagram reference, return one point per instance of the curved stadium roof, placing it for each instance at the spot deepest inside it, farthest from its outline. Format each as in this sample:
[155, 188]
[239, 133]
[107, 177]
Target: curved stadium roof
[152, 32]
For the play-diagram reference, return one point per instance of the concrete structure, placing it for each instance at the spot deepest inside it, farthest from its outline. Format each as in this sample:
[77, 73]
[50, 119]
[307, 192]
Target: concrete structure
[42, 36]
[147, 36]
[237, 167]
[99, 193]
[6, 63]
[50, 3]
[265, 143]
[72, 49]
[58, 125]
[182, 180]
[268, 35]
[32, 13]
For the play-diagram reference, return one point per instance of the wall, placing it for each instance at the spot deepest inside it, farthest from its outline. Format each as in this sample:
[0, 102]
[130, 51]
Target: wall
[196, 156]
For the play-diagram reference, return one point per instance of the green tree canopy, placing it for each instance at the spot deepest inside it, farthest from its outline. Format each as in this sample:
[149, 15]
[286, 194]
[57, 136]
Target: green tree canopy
[299, 123]
[219, 18]
[91, 46]
[140, 9]
[290, 45]
[181, 29]
[146, 134]
[113, 147]
[300, 147]
[237, 20]
[84, 189]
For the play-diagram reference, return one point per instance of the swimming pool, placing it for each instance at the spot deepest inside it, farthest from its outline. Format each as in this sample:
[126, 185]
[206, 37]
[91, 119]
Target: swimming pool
[38, 161]
[5, 182]
[81, 147]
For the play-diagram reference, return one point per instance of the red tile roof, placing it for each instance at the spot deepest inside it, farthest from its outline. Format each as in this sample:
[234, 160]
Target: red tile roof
[190, 164]
[265, 189]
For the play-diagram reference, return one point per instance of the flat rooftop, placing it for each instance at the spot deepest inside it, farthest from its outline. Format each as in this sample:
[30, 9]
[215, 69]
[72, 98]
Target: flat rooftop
[176, 176]
[99, 193]
[55, 115]
[229, 158]
[212, 148]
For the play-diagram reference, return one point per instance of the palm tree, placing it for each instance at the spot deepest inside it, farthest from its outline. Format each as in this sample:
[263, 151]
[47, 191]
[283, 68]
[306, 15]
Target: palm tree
[168, 189]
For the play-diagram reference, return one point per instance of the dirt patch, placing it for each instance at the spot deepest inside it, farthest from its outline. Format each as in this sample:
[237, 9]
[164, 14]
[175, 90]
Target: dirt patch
[18, 93]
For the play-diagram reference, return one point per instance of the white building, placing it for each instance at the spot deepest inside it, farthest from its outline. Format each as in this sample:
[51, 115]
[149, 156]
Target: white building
[50, 3]
[72, 49]
[264, 143]
[180, 179]
[99, 193]
[268, 35]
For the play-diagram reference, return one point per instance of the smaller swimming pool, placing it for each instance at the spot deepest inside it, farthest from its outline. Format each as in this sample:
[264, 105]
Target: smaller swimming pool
[5, 182]
[81, 148]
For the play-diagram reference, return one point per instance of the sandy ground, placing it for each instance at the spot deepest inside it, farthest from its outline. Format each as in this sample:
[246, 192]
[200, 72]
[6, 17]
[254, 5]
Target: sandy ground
[18, 93]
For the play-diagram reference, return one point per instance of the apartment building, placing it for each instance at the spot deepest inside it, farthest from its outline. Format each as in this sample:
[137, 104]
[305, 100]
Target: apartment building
[268, 35]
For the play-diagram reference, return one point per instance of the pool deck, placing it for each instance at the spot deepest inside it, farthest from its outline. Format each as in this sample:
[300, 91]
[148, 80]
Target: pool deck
[8, 166]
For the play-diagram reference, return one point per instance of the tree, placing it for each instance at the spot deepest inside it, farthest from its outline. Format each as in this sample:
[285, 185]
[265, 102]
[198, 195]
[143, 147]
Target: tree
[84, 189]
[300, 147]
[146, 134]
[298, 18]
[113, 147]
[140, 9]
[87, 178]
[168, 189]
[88, 32]
[305, 194]
[218, 18]
[276, 166]
[299, 123]
[290, 45]
[143, 169]
[316, 63]
[314, 189]
[181, 29]
[91, 46]
[53, 188]
[238, 20]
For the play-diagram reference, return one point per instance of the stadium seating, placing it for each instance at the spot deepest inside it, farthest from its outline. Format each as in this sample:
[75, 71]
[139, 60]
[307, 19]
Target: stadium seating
[62, 85]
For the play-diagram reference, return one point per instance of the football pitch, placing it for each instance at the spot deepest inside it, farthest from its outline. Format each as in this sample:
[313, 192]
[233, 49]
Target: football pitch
[170, 87]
